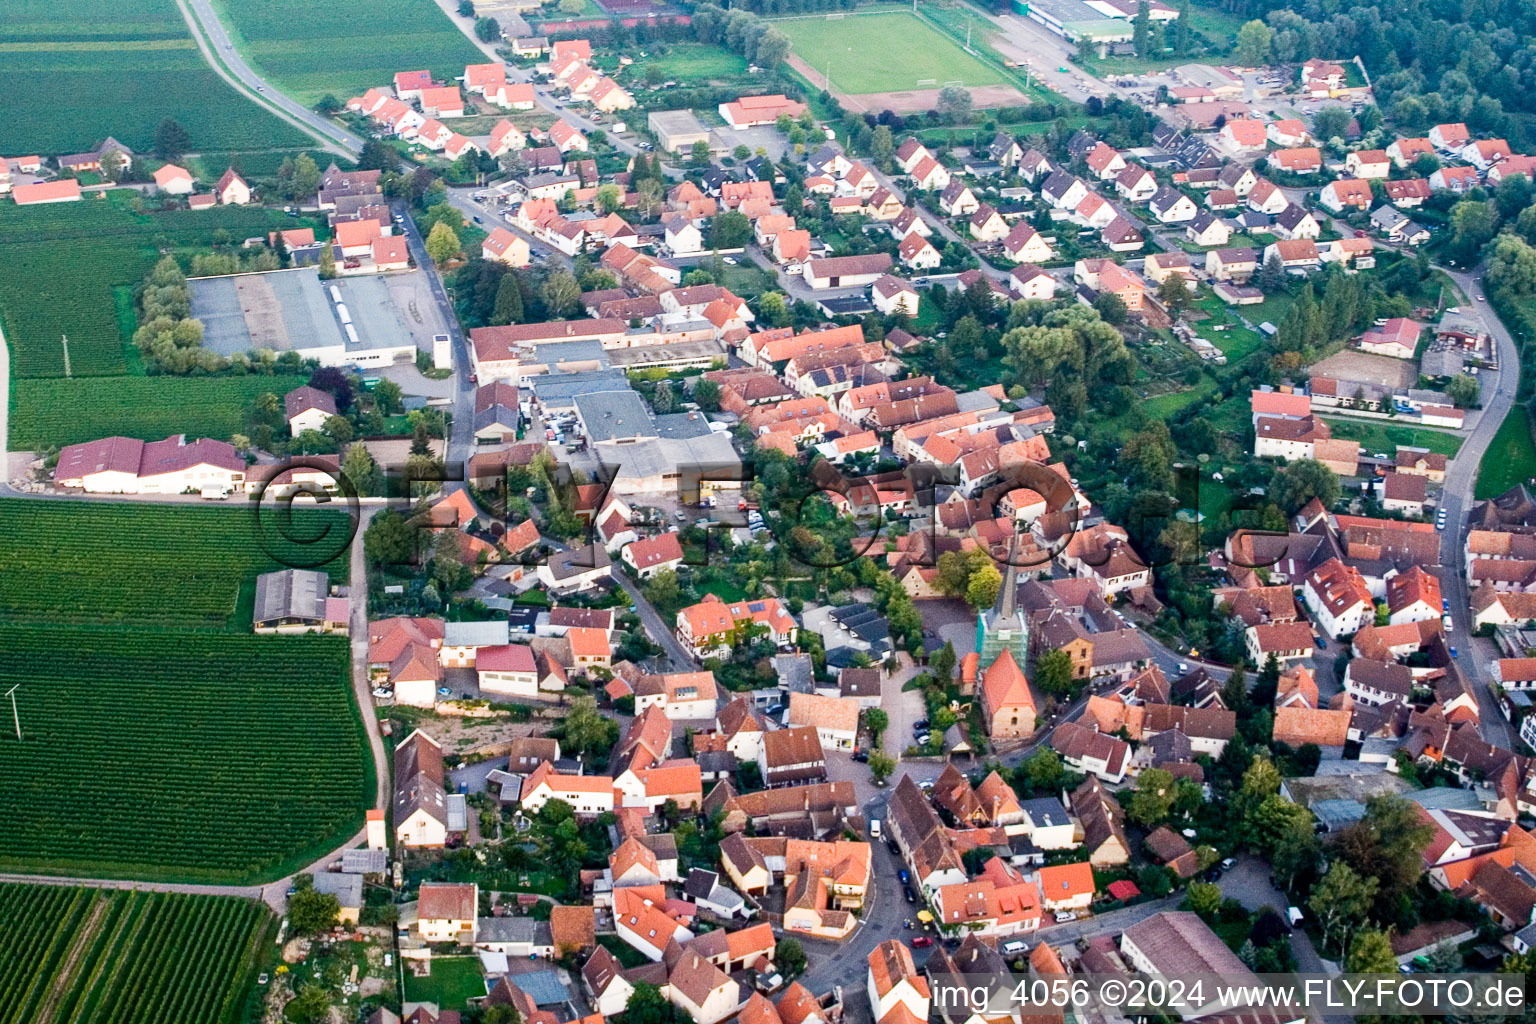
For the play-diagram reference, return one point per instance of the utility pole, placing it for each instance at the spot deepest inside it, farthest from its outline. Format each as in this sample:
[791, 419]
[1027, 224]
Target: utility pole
[11, 693]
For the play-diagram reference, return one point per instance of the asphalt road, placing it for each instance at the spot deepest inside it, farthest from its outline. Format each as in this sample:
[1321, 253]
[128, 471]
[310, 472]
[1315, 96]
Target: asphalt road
[210, 32]
[1457, 498]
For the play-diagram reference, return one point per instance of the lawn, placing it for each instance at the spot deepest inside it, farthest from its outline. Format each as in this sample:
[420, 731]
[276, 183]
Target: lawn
[453, 982]
[92, 956]
[363, 42]
[748, 280]
[1385, 436]
[884, 53]
[56, 412]
[693, 64]
[119, 563]
[1510, 458]
[1162, 406]
[76, 71]
[62, 262]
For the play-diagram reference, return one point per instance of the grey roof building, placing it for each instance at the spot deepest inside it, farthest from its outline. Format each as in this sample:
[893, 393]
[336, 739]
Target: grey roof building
[295, 600]
[618, 416]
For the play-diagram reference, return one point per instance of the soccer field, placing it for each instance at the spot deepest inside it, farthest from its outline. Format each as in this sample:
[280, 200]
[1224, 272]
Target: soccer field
[884, 53]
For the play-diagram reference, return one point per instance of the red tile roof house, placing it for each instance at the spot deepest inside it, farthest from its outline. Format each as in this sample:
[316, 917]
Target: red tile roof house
[65, 191]
[751, 111]
[1346, 192]
[653, 555]
[125, 465]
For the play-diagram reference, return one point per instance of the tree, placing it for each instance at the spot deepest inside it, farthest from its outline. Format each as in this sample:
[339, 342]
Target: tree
[1042, 771]
[876, 722]
[112, 164]
[1388, 843]
[954, 103]
[327, 262]
[442, 244]
[1512, 263]
[1153, 798]
[378, 156]
[1253, 42]
[362, 470]
[1472, 225]
[1464, 390]
[338, 429]
[1330, 123]
[609, 197]
[707, 394]
[562, 294]
[1341, 900]
[662, 589]
[585, 728]
[1110, 307]
[1141, 32]
[1271, 276]
[699, 152]
[982, 589]
[882, 146]
[789, 956]
[171, 139]
[311, 911]
[881, 765]
[1371, 953]
[1299, 482]
[730, 230]
[1053, 673]
[509, 302]
[310, 1006]
[487, 29]
[1174, 294]
[648, 1006]
[1204, 898]
[664, 399]
[506, 1013]
[1181, 30]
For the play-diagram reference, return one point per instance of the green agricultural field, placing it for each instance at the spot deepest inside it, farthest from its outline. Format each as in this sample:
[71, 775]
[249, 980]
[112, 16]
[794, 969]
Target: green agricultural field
[56, 412]
[94, 956]
[1510, 458]
[117, 563]
[175, 755]
[1385, 436]
[75, 71]
[363, 43]
[884, 53]
[63, 261]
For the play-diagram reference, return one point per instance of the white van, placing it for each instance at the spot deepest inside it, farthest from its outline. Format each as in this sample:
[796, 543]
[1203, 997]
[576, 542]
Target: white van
[1014, 948]
[874, 828]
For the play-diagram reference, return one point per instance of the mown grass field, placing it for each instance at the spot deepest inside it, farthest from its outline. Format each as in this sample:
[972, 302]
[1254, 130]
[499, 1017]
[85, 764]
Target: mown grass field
[884, 53]
[345, 46]
[56, 412]
[91, 956]
[1383, 436]
[119, 563]
[1510, 458]
[63, 261]
[75, 71]
[693, 64]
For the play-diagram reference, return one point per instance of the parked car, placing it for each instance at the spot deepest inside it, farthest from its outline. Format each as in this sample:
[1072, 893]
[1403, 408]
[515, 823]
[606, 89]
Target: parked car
[920, 941]
[1228, 863]
[1453, 652]
[1063, 916]
[907, 892]
[904, 875]
[890, 844]
[861, 756]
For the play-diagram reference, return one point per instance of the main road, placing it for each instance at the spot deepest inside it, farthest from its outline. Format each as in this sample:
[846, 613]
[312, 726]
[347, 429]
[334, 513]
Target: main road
[1457, 497]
